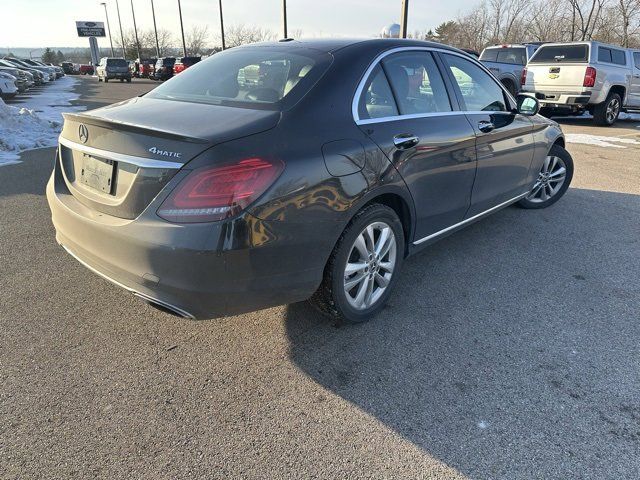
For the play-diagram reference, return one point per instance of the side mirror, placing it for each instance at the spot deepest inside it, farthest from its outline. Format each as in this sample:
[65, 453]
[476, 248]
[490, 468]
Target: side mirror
[527, 105]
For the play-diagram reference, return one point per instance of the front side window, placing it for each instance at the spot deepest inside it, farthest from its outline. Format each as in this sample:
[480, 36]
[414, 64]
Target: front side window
[416, 83]
[478, 89]
[376, 100]
[251, 77]
[636, 59]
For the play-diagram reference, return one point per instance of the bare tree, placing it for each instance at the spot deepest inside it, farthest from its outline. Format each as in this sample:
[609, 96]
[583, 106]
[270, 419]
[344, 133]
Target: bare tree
[197, 38]
[242, 34]
[628, 12]
[585, 15]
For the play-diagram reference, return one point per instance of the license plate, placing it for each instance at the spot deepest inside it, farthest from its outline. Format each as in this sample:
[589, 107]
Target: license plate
[97, 173]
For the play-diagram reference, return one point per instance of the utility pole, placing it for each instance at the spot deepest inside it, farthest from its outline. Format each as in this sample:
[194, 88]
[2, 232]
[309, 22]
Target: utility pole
[108, 27]
[284, 18]
[403, 18]
[184, 44]
[124, 53]
[155, 29]
[221, 25]
[135, 30]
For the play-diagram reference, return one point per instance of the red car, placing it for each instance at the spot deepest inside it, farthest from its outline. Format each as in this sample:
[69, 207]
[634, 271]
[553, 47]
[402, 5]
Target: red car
[146, 67]
[86, 69]
[184, 63]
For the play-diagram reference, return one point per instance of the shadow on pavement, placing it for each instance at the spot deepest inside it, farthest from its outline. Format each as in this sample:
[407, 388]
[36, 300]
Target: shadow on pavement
[509, 350]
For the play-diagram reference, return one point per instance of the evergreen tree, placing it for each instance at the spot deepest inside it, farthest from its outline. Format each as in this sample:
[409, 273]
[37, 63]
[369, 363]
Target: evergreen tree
[48, 56]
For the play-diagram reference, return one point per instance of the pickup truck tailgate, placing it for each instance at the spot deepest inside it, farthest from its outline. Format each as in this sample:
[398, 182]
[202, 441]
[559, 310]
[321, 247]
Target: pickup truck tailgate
[555, 76]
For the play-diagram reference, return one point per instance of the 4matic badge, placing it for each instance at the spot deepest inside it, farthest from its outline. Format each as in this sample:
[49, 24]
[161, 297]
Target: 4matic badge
[165, 153]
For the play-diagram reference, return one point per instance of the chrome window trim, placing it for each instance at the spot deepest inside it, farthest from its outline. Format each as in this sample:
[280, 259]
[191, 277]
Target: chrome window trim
[386, 53]
[470, 219]
[141, 162]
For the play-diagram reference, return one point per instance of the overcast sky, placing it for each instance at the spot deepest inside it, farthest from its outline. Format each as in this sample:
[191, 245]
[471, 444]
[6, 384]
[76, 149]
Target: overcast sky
[41, 23]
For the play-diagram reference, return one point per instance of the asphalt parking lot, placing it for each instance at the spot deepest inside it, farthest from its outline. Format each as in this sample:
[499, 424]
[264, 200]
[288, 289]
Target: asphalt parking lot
[510, 350]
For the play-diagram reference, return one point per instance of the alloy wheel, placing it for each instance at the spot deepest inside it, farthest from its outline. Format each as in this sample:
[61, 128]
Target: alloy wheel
[550, 180]
[613, 108]
[370, 265]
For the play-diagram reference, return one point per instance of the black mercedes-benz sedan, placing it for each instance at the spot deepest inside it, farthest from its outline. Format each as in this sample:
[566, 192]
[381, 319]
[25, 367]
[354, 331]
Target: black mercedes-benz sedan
[279, 172]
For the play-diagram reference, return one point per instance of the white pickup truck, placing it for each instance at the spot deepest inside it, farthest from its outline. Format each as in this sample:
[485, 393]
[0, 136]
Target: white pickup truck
[571, 78]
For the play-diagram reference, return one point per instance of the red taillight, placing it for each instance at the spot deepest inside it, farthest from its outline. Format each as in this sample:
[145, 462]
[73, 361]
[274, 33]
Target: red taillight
[523, 76]
[589, 77]
[214, 193]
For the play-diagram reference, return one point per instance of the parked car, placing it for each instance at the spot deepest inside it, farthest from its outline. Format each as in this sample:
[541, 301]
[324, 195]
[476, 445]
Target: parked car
[47, 72]
[471, 52]
[86, 69]
[53, 74]
[507, 62]
[8, 87]
[38, 76]
[184, 63]
[113, 69]
[22, 78]
[585, 76]
[208, 199]
[146, 67]
[163, 69]
[59, 70]
[68, 68]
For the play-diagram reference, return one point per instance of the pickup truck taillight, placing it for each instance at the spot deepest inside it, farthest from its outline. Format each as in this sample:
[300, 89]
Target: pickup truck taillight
[589, 77]
[523, 76]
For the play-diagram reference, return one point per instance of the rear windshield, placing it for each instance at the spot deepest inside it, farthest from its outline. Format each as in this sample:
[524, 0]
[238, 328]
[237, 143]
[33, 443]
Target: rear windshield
[514, 55]
[561, 54]
[117, 62]
[252, 77]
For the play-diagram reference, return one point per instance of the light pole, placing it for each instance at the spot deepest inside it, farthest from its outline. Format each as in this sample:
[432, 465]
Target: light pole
[403, 18]
[221, 25]
[124, 53]
[135, 30]
[284, 18]
[108, 27]
[155, 29]
[184, 44]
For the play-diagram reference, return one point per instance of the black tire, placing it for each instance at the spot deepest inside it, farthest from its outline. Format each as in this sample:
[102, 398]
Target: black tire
[99, 79]
[330, 296]
[106, 80]
[601, 114]
[128, 80]
[556, 151]
[511, 88]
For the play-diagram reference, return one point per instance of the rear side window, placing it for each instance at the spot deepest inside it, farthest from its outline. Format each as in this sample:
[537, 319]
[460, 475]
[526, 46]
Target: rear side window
[478, 89]
[377, 99]
[636, 59]
[604, 55]
[250, 77]
[416, 83]
[561, 54]
[618, 57]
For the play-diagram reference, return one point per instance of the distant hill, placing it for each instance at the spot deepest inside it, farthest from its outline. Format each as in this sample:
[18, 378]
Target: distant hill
[37, 52]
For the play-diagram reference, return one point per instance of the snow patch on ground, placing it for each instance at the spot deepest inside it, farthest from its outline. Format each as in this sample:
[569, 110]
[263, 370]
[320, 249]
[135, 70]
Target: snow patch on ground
[600, 140]
[35, 120]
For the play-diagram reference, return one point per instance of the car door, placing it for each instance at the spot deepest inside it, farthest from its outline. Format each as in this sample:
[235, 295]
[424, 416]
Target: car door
[406, 109]
[634, 90]
[504, 139]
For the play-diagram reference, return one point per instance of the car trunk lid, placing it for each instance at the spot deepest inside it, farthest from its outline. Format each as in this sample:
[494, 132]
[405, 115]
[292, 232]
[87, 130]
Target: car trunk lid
[116, 159]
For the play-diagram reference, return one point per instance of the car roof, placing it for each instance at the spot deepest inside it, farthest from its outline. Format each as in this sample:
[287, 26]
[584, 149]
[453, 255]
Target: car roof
[331, 45]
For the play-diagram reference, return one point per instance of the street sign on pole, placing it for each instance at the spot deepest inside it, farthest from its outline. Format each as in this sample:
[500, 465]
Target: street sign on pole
[90, 29]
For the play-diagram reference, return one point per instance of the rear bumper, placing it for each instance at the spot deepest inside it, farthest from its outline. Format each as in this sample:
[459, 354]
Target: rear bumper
[116, 76]
[197, 270]
[568, 99]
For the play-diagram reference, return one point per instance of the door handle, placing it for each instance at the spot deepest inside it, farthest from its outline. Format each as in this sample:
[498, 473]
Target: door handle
[405, 140]
[485, 126]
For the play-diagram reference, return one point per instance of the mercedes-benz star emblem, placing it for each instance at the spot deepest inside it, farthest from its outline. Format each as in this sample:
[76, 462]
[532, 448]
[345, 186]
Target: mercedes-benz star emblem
[83, 133]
